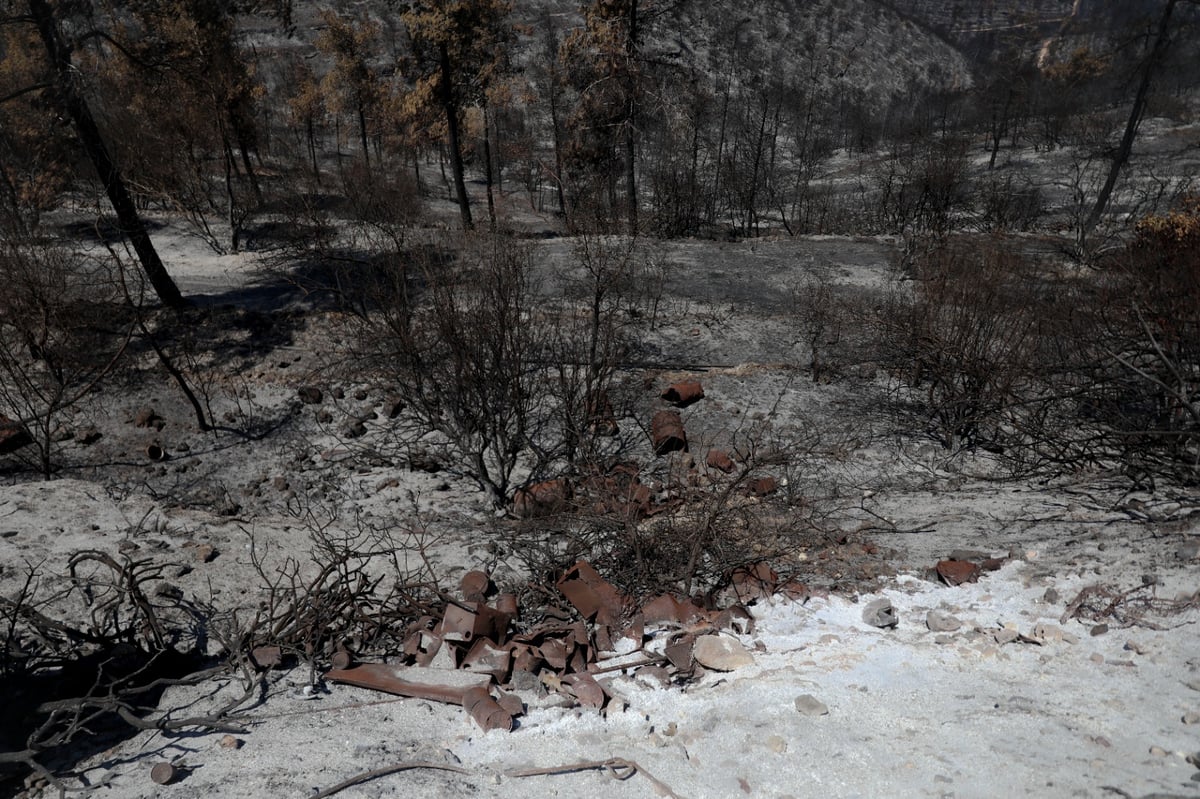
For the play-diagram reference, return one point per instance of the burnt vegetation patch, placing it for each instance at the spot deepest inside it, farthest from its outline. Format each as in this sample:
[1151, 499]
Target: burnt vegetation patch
[612, 267]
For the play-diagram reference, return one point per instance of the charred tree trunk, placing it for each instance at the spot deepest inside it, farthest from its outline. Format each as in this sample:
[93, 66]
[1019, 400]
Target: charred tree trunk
[1158, 52]
[450, 104]
[631, 46]
[89, 135]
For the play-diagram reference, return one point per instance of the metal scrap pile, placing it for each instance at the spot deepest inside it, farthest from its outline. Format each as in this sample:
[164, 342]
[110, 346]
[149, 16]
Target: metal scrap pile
[467, 656]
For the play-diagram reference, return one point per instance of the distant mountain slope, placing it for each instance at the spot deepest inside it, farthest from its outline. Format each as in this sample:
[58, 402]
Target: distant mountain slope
[977, 27]
[848, 42]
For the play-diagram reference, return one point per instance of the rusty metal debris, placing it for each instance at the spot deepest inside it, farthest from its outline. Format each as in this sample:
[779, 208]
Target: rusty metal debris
[594, 597]
[266, 657]
[719, 459]
[486, 711]
[475, 586]
[542, 499]
[667, 433]
[438, 685]
[683, 393]
[13, 435]
[764, 486]
[461, 656]
[756, 581]
[957, 572]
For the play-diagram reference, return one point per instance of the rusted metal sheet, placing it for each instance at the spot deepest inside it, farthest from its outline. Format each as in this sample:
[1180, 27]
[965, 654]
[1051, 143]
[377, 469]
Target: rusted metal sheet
[487, 658]
[266, 657]
[438, 685]
[525, 657]
[511, 702]
[474, 586]
[736, 618]
[670, 609]
[667, 433]
[554, 651]
[542, 499]
[470, 620]
[679, 653]
[584, 687]
[507, 604]
[485, 710]
[592, 595]
[764, 486]
[756, 581]
[719, 459]
[683, 393]
[957, 572]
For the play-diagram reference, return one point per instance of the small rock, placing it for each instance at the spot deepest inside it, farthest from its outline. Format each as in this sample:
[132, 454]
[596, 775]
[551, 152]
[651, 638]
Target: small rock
[1193, 684]
[1096, 657]
[939, 621]
[310, 395]
[229, 742]
[205, 553]
[721, 653]
[354, 429]
[1191, 717]
[164, 773]
[1051, 597]
[1005, 636]
[809, 705]
[393, 407]
[168, 591]
[88, 436]
[1135, 647]
[324, 416]
[1189, 550]
[776, 744]
[1194, 758]
[1158, 751]
[1047, 633]
[1099, 629]
[880, 613]
[145, 417]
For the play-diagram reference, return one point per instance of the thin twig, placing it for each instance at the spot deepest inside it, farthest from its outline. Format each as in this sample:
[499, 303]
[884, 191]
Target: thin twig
[385, 771]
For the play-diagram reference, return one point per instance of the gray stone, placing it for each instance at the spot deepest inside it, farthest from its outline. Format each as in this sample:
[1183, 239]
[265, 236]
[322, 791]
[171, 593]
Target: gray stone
[310, 395]
[721, 653]
[880, 613]
[1047, 633]
[939, 621]
[1051, 596]
[1005, 636]
[809, 705]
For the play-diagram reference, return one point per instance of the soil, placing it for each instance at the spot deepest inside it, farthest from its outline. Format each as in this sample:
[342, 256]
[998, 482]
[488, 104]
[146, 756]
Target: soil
[1074, 672]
